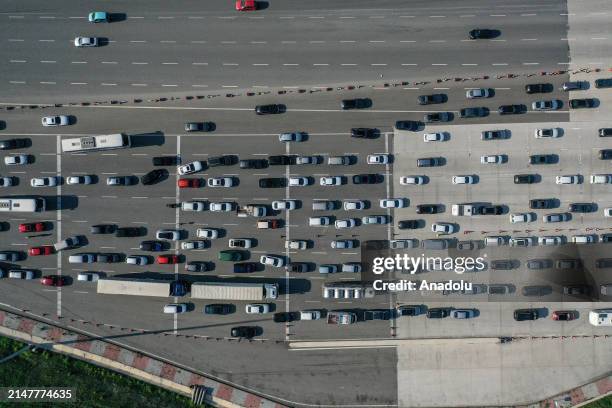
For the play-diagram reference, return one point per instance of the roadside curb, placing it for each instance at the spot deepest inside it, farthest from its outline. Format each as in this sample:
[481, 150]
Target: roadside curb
[126, 361]
[578, 396]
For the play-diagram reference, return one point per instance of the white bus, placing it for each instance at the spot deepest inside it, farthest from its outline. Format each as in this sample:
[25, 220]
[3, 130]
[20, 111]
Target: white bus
[11, 204]
[93, 143]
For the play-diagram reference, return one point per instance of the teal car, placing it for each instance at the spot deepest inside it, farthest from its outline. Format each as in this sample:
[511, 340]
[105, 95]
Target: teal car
[98, 17]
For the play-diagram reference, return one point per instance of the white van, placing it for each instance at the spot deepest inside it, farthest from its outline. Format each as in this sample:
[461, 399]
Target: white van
[601, 178]
[584, 239]
[495, 240]
[310, 315]
[600, 317]
[319, 221]
[338, 160]
[322, 205]
[21, 274]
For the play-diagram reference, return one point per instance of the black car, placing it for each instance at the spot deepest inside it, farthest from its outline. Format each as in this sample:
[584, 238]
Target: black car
[582, 103]
[490, 210]
[408, 224]
[377, 314]
[603, 83]
[254, 164]
[281, 160]
[467, 245]
[12, 144]
[409, 310]
[541, 203]
[109, 258]
[245, 267]
[582, 207]
[431, 99]
[268, 109]
[510, 109]
[495, 134]
[152, 177]
[364, 133]
[605, 154]
[102, 229]
[129, 232]
[525, 314]
[367, 178]
[411, 125]
[437, 117]
[430, 161]
[284, 317]
[524, 178]
[543, 159]
[605, 238]
[536, 290]
[153, 246]
[165, 161]
[298, 267]
[568, 263]
[427, 209]
[226, 160]
[359, 103]
[199, 126]
[478, 112]
[605, 132]
[578, 289]
[272, 182]
[538, 88]
[219, 308]
[243, 331]
[503, 264]
[483, 34]
[603, 263]
[438, 313]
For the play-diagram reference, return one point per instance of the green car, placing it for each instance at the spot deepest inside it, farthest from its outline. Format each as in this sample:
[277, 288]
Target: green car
[98, 17]
[232, 256]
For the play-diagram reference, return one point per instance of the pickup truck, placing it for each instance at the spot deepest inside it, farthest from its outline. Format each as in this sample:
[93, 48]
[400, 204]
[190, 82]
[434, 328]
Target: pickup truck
[341, 318]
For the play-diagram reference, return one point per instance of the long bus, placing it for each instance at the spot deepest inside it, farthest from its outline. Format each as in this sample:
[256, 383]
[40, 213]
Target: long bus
[94, 143]
[15, 204]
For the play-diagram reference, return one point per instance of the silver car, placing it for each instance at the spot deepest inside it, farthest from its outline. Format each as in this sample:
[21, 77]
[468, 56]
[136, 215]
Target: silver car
[292, 137]
[79, 180]
[374, 219]
[284, 205]
[308, 160]
[44, 181]
[220, 182]
[85, 42]
[17, 160]
[60, 120]
[477, 93]
[137, 260]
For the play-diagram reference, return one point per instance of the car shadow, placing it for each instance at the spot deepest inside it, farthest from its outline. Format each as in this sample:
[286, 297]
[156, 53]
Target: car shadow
[116, 17]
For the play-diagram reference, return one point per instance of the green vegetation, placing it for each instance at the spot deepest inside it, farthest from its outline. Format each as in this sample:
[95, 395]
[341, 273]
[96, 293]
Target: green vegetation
[95, 386]
[605, 402]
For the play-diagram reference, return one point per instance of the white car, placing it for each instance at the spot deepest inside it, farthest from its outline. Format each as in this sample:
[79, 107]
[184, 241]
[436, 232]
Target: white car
[168, 234]
[275, 261]
[434, 137]
[257, 308]
[21, 274]
[443, 228]
[60, 120]
[220, 182]
[17, 160]
[6, 181]
[243, 243]
[354, 205]
[393, 203]
[284, 205]
[569, 179]
[190, 168]
[408, 180]
[82, 258]
[550, 240]
[85, 42]
[308, 160]
[44, 181]
[375, 219]
[88, 277]
[378, 158]
[221, 207]
[137, 260]
[346, 223]
[492, 159]
[601, 178]
[310, 315]
[208, 233]
[463, 179]
[522, 217]
[79, 180]
[545, 105]
[173, 308]
[607, 212]
[194, 244]
[547, 132]
[330, 181]
[299, 181]
[296, 244]
[193, 206]
[292, 137]
[343, 244]
[477, 93]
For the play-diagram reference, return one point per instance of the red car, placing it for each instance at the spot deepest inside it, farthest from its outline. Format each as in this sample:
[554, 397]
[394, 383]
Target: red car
[246, 5]
[53, 280]
[41, 250]
[167, 259]
[32, 227]
[564, 315]
[190, 182]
